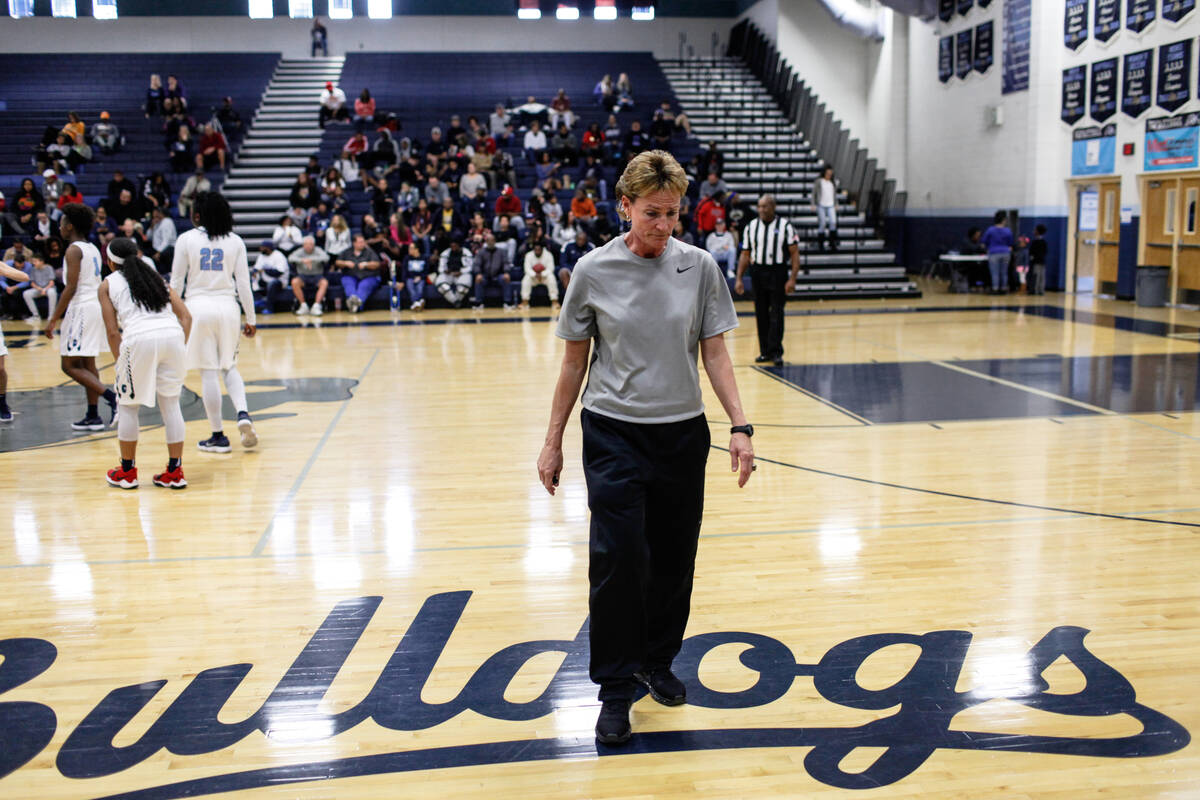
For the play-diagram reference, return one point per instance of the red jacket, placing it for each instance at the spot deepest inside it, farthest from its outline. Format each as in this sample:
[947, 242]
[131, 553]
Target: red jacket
[508, 204]
[707, 215]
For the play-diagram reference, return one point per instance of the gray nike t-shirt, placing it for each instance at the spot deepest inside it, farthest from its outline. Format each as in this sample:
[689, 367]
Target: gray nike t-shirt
[647, 317]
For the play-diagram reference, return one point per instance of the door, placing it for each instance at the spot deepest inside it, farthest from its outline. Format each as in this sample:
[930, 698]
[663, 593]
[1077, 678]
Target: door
[1108, 242]
[1087, 232]
[1188, 264]
[1158, 221]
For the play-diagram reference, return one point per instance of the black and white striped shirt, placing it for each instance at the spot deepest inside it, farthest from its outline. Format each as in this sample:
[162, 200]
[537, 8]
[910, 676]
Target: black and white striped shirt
[768, 243]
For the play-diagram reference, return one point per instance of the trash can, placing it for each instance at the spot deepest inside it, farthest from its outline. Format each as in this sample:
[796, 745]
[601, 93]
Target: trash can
[1152, 286]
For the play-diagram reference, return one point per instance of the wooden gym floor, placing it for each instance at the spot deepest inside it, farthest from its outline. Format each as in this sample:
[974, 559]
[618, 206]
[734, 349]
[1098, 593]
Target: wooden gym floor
[966, 567]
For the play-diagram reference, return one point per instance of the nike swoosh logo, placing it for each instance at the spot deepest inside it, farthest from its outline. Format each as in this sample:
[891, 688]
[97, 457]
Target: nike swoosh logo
[685, 269]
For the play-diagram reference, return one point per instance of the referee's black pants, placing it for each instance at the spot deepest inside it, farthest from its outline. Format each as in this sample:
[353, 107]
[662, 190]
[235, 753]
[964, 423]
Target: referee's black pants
[769, 299]
[646, 493]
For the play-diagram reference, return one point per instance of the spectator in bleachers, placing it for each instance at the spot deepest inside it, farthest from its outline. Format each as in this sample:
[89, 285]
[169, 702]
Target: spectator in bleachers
[337, 237]
[382, 201]
[552, 210]
[154, 97]
[636, 141]
[565, 146]
[52, 246]
[453, 280]
[591, 178]
[497, 123]
[560, 110]
[420, 222]
[80, 153]
[436, 192]
[313, 168]
[492, 269]
[12, 288]
[455, 129]
[74, 126]
[40, 284]
[354, 147]
[360, 266]
[483, 160]
[27, 202]
[375, 234]
[364, 110]
[614, 138]
[824, 202]
[471, 182]
[52, 189]
[683, 234]
[213, 148]
[162, 239]
[448, 221]
[413, 275]
[508, 206]
[533, 209]
[303, 193]
[331, 182]
[531, 111]
[194, 185]
[399, 237]
[157, 191]
[17, 248]
[477, 231]
[583, 209]
[539, 271]
[319, 37]
[333, 105]
[106, 136]
[475, 131]
[70, 194]
[126, 206]
[176, 92]
[605, 93]
[571, 253]
[710, 211]
[385, 151]
[679, 121]
[592, 142]
[477, 204]
[229, 120]
[183, 150]
[318, 221]
[535, 141]
[547, 171]
[132, 229]
[503, 168]
[286, 236]
[298, 216]
[624, 94]
[407, 197]
[103, 230]
[712, 160]
[565, 231]
[661, 131]
[45, 234]
[310, 263]
[711, 185]
[270, 273]
[437, 146]
[118, 183]
[9, 224]
[176, 118]
[55, 155]
[347, 167]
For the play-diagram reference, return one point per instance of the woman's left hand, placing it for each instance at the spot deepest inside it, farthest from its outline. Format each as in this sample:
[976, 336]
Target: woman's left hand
[741, 457]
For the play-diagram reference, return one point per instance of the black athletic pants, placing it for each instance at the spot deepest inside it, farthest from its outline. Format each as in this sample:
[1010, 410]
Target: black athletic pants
[646, 493]
[769, 299]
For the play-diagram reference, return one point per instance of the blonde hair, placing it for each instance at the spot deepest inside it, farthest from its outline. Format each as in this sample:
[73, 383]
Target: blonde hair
[648, 172]
[338, 223]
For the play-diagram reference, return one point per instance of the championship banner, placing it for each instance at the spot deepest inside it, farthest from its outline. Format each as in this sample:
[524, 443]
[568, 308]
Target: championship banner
[1173, 142]
[945, 10]
[964, 6]
[1175, 10]
[1094, 151]
[983, 3]
[983, 46]
[945, 58]
[1139, 14]
[1174, 74]
[962, 53]
[1073, 91]
[1104, 89]
[1107, 19]
[1075, 23]
[1015, 55]
[1135, 90]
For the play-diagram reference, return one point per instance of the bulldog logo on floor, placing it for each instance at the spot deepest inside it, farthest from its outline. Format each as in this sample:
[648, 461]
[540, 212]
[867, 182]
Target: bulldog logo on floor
[43, 416]
[925, 700]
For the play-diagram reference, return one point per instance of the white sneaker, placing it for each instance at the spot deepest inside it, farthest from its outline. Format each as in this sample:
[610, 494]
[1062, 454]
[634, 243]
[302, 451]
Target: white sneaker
[354, 303]
[317, 310]
[302, 310]
[419, 305]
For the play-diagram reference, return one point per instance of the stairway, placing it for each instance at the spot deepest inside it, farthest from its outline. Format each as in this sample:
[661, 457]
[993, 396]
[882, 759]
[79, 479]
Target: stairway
[764, 153]
[278, 142]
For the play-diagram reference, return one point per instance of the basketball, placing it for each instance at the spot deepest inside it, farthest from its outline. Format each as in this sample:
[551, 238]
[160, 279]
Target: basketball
[539, 268]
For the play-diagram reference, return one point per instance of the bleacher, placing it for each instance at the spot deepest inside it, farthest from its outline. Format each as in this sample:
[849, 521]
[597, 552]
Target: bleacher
[37, 90]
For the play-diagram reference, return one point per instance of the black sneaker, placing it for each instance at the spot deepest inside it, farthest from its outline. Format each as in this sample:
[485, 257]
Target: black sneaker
[663, 686]
[612, 726]
[112, 410]
[88, 424]
[762, 359]
[217, 443]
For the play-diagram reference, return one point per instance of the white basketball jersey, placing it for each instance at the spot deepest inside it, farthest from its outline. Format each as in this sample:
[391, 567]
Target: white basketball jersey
[205, 267]
[89, 274]
[134, 319]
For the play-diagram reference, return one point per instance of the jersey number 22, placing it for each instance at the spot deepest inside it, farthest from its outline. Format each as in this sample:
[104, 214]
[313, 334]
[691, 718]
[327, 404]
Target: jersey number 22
[212, 259]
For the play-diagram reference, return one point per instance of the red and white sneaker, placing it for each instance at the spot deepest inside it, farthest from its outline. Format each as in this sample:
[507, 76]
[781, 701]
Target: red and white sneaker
[171, 480]
[123, 478]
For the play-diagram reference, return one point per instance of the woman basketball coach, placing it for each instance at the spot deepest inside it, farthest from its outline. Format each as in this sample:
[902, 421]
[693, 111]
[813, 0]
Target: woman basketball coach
[650, 303]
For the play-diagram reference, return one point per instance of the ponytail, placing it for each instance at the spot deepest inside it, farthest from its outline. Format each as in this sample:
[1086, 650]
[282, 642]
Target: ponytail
[146, 286]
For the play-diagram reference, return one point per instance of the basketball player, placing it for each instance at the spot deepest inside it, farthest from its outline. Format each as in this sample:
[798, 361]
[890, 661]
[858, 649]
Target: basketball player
[210, 273]
[79, 310]
[5, 414]
[147, 326]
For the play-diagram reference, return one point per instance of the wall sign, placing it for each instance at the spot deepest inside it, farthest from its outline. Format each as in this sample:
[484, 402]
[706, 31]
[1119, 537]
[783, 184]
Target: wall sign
[1174, 74]
[1094, 150]
[983, 46]
[1073, 91]
[1139, 14]
[1075, 23]
[1104, 89]
[1107, 19]
[962, 53]
[1089, 211]
[1173, 142]
[1135, 91]
[945, 10]
[1015, 55]
[1175, 10]
[945, 58]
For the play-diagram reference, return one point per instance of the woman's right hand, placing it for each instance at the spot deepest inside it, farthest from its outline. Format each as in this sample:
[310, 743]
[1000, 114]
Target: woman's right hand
[549, 465]
[739, 287]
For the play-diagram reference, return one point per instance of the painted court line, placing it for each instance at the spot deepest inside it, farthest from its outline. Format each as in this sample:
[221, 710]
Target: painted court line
[1023, 387]
[291, 495]
[812, 395]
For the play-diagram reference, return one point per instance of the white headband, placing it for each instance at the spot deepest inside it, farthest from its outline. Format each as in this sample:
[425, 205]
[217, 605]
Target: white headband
[113, 257]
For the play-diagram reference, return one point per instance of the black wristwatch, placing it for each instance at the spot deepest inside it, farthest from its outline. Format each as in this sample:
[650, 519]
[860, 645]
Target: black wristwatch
[747, 429]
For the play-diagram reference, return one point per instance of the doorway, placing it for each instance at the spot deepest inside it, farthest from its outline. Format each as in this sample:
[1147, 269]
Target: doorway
[1170, 235]
[1095, 243]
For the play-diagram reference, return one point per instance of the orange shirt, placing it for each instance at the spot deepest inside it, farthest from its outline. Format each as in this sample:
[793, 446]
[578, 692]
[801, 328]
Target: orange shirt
[72, 128]
[583, 207]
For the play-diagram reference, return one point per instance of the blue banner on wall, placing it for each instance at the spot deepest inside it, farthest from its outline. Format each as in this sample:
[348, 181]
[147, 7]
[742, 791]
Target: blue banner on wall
[945, 10]
[964, 6]
[983, 46]
[1014, 63]
[1074, 88]
[1135, 91]
[1176, 10]
[962, 53]
[1139, 14]
[1104, 89]
[1075, 23]
[1106, 19]
[945, 58]
[1174, 74]
[1094, 151]
[983, 3]
[1173, 142]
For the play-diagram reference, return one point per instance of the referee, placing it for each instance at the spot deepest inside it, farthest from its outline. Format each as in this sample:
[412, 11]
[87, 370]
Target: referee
[764, 244]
